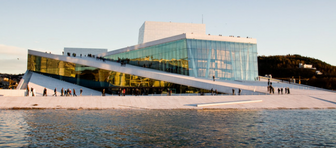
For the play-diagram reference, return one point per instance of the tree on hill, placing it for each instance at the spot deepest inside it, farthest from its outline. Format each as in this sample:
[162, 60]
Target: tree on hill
[287, 66]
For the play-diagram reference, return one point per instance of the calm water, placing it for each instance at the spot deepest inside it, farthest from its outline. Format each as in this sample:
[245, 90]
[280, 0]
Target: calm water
[167, 128]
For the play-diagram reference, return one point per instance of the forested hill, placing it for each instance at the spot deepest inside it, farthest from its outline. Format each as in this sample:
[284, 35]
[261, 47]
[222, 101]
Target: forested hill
[287, 66]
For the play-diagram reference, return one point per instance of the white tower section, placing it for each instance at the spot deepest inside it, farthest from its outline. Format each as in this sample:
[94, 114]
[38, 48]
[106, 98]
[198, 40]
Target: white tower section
[151, 31]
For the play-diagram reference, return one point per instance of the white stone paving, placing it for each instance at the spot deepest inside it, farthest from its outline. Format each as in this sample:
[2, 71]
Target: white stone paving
[39, 82]
[324, 101]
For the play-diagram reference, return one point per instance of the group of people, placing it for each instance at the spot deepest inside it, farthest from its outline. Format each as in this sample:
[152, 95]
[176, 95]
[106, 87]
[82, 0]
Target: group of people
[30, 92]
[122, 63]
[270, 89]
[66, 92]
[280, 90]
[122, 92]
[169, 92]
[214, 92]
[239, 91]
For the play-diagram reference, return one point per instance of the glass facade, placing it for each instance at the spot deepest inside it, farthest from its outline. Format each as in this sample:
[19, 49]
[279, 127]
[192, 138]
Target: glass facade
[198, 58]
[99, 79]
[224, 60]
[169, 57]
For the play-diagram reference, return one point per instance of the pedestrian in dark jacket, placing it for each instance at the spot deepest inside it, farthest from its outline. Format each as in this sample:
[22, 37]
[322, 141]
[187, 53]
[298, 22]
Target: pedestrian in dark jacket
[55, 93]
[44, 92]
[74, 92]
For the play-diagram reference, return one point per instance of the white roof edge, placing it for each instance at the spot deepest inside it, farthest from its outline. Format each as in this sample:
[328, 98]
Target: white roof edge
[143, 45]
[179, 37]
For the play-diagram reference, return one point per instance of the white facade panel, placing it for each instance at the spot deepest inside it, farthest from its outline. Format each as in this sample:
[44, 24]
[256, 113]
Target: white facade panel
[151, 31]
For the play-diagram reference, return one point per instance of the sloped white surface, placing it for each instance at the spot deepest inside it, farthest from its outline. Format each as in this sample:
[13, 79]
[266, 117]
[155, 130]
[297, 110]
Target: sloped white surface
[39, 82]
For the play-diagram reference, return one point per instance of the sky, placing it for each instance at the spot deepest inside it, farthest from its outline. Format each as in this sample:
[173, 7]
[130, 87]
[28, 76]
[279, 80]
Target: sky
[305, 27]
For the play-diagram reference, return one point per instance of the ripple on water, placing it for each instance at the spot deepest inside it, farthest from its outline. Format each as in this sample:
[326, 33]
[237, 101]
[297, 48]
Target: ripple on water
[151, 128]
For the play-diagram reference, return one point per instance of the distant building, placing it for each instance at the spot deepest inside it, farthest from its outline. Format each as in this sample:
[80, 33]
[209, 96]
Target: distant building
[309, 66]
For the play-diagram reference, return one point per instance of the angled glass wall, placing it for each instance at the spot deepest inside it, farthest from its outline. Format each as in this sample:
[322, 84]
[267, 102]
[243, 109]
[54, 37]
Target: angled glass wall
[198, 58]
[99, 79]
[170, 57]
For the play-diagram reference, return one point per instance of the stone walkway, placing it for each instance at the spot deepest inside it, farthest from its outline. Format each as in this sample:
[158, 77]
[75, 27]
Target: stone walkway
[317, 101]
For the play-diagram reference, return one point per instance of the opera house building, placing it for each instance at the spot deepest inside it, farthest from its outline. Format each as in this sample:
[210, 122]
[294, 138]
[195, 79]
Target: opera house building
[177, 57]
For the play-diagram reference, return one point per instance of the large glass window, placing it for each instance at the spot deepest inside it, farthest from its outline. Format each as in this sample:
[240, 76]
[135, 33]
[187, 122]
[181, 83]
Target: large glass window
[224, 60]
[198, 58]
[169, 57]
[99, 79]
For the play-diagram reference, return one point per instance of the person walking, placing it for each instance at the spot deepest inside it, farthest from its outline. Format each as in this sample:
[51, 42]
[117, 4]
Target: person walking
[80, 92]
[213, 77]
[233, 91]
[288, 90]
[278, 91]
[74, 92]
[239, 91]
[27, 91]
[124, 92]
[44, 92]
[281, 90]
[62, 92]
[211, 91]
[34, 93]
[55, 93]
[103, 93]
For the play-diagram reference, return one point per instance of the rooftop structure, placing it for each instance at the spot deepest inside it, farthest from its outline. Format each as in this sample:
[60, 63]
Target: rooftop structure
[151, 31]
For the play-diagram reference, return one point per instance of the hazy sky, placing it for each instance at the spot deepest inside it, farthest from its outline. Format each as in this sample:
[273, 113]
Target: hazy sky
[305, 27]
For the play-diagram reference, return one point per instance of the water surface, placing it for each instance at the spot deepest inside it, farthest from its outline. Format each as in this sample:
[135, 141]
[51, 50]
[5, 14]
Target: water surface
[167, 128]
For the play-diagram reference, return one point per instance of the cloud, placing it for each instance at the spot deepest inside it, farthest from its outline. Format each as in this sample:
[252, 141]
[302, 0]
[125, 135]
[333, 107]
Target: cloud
[13, 59]
[6, 50]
